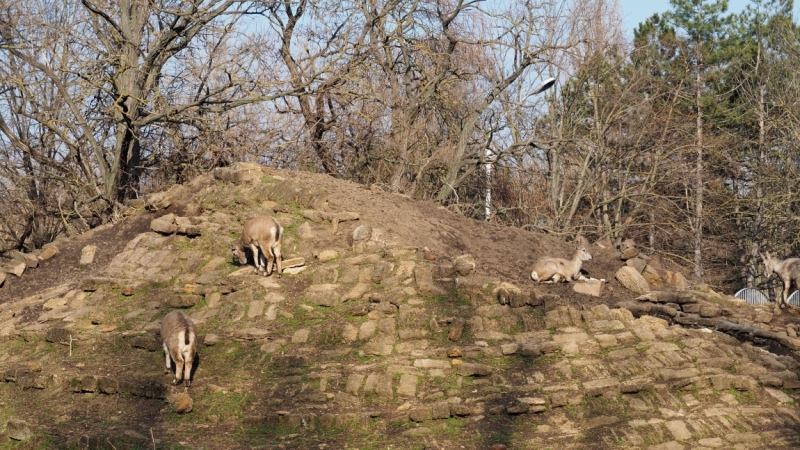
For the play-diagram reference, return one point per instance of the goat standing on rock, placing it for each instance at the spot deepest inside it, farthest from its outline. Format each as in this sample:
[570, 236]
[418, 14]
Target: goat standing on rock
[552, 270]
[180, 345]
[787, 269]
[264, 234]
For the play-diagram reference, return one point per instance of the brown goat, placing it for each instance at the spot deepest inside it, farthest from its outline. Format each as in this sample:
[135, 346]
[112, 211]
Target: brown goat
[262, 235]
[552, 270]
[180, 345]
[788, 270]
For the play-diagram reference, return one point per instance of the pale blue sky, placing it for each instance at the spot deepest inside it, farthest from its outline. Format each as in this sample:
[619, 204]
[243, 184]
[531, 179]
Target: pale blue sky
[636, 11]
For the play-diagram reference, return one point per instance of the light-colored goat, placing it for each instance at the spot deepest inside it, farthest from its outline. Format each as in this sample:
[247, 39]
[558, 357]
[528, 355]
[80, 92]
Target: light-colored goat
[180, 345]
[788, 270]
[264, 234]
[552, 270]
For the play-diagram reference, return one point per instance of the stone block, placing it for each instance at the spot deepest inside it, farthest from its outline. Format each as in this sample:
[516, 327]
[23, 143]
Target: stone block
[710, 310]
[349, 333]
[593, 287]
[432, 364]
[602, 384]
[637, 263]
[408, 386]
[362, 232]
[89, 383]
[763, 316]
[636, 385]
[677, 279]
[181, 402]
[678, 430]
[16, 267]
[509, 349]
[456, 329]
[164, 224]
[464, 265]
[632, 280]
[300, 336]
[48, 252]
[18, 430]
[354, 381]
[30, 260]
[367, 330]
[293, 262]
[60, 335]
[629, 253]
[323, 294]
[87, 254]
[327, 255]
[474, 370]
[420, 414]
[107, 385]
[511, 295]
[606, 325]
[184, 301]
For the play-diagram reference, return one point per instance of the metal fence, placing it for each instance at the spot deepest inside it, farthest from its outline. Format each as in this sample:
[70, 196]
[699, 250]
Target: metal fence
[754, 296]
[794, 299]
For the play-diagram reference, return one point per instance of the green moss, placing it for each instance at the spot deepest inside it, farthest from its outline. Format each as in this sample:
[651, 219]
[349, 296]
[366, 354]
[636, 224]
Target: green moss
[747, 397]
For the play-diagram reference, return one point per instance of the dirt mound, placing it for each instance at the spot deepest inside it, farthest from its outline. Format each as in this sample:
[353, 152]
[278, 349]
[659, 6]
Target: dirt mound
[396, 323]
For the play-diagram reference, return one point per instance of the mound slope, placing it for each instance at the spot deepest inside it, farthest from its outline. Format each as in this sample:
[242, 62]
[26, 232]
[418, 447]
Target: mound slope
[397, 324]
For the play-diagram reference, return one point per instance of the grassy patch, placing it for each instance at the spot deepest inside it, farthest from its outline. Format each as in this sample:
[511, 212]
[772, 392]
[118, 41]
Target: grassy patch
[747, 397]
[225, 406]
[680, 344]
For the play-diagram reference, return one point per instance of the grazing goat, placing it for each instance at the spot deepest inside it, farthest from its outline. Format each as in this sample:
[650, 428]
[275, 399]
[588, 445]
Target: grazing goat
[552, 270]
[787, 269]
[180, 345]
[264, 234]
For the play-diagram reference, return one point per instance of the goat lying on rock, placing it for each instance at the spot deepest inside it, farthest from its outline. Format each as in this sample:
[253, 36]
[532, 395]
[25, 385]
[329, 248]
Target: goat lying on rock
[552, 270]
[180, 345]
[787, 269]
[264, 234]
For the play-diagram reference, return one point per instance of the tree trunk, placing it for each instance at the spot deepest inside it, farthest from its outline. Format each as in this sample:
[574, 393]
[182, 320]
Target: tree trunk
[698, 181]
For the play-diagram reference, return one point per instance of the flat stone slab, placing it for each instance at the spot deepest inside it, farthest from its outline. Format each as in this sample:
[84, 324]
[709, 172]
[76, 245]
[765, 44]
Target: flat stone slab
[601, 384]
[367, 329]
[255, 309]
[432, 364]
[474, 369]
[407, 386]
[606, 325]
[678, 430]
[779, 395]
[300, 336]
[671, 445]
[251, 333]
[354, 381]
[323, 294]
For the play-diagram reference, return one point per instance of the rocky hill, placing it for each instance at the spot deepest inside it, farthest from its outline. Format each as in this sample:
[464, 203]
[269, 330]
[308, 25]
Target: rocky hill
[396, 324]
